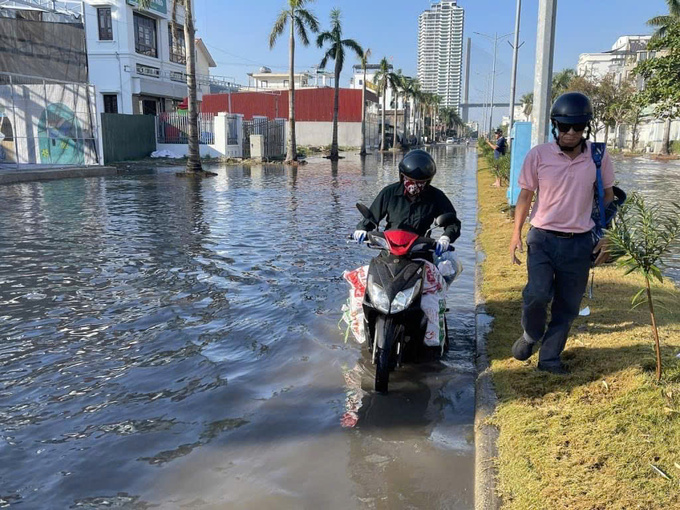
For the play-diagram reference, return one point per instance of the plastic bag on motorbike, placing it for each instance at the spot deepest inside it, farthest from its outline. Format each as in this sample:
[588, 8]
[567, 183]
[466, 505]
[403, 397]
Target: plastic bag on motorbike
[432, 302]
[449, 266]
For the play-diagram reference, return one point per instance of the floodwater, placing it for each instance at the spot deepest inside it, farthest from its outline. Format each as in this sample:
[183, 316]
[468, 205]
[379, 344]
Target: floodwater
[659, 183]
[174, 343]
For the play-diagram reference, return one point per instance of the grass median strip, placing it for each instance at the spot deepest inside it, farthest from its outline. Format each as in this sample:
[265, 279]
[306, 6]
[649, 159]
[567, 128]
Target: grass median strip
[605, 437]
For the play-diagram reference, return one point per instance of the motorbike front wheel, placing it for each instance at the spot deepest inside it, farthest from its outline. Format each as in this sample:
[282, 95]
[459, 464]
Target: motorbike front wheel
[385, 356]
[382, 370]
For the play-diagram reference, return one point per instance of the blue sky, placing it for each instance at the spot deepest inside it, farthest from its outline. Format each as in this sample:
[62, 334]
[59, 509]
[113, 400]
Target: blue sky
[237, 32]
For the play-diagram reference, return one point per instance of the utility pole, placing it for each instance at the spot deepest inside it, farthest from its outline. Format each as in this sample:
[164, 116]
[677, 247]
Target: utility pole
[515, 52]
[545, 49]
[495, 40]
[466, 89]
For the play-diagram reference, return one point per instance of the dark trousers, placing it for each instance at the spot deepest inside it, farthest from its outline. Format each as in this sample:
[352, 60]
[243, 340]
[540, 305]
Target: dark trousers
[558, 271]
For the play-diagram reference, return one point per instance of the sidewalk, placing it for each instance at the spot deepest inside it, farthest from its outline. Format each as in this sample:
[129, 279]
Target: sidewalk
[11, 175]
[593, 439]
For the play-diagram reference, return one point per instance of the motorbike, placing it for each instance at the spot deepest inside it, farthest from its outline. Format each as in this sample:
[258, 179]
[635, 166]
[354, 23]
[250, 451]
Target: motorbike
[394, 322]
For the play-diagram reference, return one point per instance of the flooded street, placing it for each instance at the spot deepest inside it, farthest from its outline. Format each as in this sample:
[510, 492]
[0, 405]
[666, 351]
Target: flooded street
[659, 183]
[174, 343]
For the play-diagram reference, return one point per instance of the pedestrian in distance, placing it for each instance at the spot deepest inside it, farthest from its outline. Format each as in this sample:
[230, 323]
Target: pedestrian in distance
[562, 237]
[501, 145]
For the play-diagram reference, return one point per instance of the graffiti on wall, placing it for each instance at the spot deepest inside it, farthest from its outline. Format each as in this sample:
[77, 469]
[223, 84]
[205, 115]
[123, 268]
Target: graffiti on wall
[60, 138]
[51, 123]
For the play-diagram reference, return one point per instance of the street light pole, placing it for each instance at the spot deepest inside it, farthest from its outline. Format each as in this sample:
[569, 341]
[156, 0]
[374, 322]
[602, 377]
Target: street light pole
[495, 40]
[493, 80]
[515, 52]
[545, 49]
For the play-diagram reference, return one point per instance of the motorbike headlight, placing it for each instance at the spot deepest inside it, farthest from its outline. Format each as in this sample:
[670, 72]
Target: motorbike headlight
[378, 296]
[405, 297]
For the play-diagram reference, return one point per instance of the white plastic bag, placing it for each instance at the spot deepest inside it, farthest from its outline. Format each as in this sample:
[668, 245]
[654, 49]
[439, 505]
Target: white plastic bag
[432, 302]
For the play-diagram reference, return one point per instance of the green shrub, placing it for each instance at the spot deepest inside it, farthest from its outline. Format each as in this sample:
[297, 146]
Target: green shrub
[675, 147]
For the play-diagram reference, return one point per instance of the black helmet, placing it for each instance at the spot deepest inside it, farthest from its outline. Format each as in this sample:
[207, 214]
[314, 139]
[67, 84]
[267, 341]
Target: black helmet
[499, 131]
[418, 165]
[572, 108]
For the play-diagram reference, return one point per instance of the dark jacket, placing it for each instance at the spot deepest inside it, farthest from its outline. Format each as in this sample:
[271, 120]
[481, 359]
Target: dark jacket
[417, 216]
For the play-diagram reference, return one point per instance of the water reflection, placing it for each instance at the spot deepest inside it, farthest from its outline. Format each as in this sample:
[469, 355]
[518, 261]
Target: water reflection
[185, 330]
[659, 183]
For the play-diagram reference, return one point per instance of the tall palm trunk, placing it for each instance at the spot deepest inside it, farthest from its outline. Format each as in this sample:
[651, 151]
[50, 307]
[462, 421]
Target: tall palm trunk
[396, 105]
[194, 161]
[405, 121]
[382, 134]
[291, 152]
[665, 149]
[363, 116]
[336, 96]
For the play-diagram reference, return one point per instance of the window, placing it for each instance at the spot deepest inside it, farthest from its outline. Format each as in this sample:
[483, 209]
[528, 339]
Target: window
[110, 103]
[264, 84]
[286, 83]
[105, 24]
[145, 36]
[177, 46]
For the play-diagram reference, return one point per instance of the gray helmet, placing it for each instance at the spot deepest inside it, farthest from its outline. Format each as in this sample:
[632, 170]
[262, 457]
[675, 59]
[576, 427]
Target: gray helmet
[418, 165]
[572, 108]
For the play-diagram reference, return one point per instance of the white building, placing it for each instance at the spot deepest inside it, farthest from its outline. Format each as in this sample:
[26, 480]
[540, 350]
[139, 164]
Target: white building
[265, 79]
[357, 81]
[440, 51]
[624, 55]
[133, 63]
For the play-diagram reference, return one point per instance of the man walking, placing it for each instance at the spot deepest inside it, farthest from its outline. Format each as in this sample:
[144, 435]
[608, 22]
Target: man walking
[560, 241]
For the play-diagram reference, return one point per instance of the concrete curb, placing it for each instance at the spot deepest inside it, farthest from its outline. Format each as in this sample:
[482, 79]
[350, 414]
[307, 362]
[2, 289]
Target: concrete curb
[486, 435]
[49, 174]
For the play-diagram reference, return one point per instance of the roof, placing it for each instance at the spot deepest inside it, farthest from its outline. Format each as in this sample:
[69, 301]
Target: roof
[201, 46]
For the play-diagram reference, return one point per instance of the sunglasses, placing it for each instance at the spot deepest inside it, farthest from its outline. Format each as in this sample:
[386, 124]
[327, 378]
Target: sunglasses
[564, 128]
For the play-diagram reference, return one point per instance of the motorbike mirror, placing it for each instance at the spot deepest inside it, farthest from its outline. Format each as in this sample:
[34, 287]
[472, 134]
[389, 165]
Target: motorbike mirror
[444, 220]
[366, 213]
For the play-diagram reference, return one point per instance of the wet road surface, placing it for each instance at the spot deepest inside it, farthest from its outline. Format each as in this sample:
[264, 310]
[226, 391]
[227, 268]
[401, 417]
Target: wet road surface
[174, 343]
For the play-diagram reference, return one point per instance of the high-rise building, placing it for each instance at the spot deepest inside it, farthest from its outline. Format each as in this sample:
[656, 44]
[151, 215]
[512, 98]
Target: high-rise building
[440, 51]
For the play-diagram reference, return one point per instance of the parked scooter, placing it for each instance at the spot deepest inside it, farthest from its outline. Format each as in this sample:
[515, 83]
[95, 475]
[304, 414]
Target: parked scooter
[394, 322]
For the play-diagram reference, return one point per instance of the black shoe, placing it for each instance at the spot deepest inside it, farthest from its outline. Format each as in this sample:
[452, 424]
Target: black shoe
[560, 369]
[522, 349]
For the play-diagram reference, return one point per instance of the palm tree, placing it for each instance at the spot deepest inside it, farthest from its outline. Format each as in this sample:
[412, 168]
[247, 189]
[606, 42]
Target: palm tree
[396, 81]
[300, 19]
[336, 52]
[414, 94]
[561, 81]
[436, 101]
[380, 80]
[527, 102]
[364, 62]
[194, 159]
[662, 22]
[406, 87]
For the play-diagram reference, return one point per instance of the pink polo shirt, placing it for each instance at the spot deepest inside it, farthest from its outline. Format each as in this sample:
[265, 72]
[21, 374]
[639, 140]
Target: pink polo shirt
[565, 187]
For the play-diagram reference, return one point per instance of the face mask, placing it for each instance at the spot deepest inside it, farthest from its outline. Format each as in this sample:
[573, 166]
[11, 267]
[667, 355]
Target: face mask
[414, 187]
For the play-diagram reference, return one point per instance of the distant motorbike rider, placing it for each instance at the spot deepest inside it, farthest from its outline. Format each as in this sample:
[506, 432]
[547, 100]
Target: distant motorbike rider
[412, 204]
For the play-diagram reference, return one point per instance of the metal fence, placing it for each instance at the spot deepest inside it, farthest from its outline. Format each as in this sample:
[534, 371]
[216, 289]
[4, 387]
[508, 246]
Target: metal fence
[274, 133]
[47, 122]
[174, 128]
[232, 131]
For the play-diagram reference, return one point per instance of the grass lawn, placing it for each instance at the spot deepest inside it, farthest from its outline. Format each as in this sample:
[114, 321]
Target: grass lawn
[590, 440]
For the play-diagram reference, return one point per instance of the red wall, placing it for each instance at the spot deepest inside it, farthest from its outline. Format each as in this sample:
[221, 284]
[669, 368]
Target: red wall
[310, 104]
